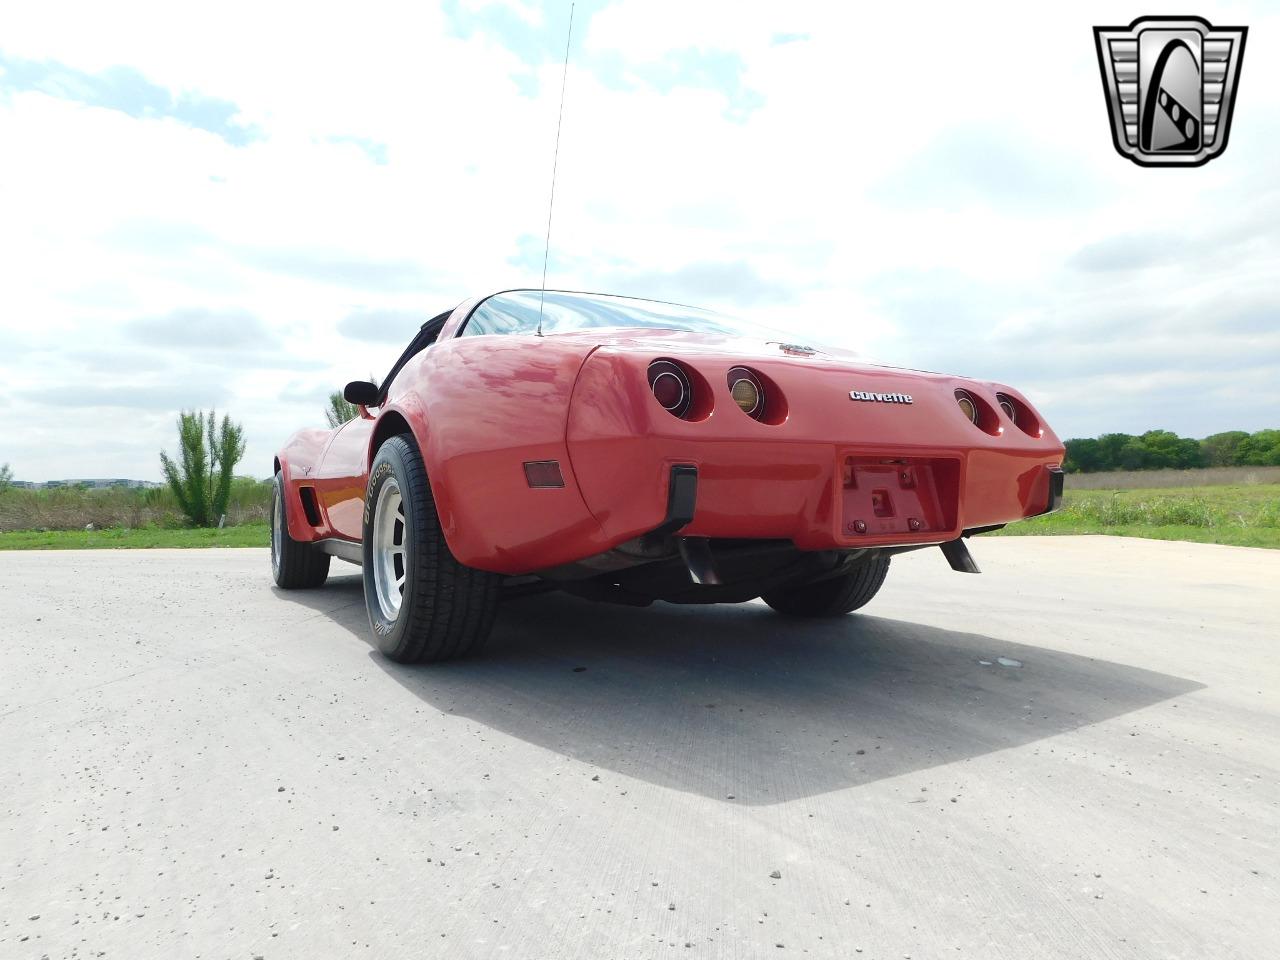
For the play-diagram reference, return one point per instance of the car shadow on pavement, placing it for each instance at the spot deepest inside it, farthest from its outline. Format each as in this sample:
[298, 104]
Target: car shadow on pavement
[736, 701]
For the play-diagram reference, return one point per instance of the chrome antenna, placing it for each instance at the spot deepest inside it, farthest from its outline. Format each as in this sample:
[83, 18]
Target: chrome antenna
[551, 204]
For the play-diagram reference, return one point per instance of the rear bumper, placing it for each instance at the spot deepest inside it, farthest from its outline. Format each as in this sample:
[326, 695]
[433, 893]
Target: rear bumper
[821, 497]
[834, 475]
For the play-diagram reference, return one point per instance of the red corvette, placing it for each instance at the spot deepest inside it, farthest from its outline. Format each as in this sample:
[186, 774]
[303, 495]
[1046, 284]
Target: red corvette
[633, 451]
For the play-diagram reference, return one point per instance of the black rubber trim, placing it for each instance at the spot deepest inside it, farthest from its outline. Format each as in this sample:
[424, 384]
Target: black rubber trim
[974, 531]
[1057, 483]
[682, 499]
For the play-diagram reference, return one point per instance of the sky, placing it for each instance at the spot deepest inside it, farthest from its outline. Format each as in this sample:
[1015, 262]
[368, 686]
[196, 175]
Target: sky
[246, 205]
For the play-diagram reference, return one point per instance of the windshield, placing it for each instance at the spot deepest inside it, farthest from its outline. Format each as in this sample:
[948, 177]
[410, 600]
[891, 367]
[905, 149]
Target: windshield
[517, 312]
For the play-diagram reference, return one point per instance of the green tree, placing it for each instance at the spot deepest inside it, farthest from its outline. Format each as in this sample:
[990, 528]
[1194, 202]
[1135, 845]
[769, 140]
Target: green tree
[1259, 449]
[201, 480]
[1220, 449]
[1164, 449]
[6, 477]
[1131, 456]
[339, 410]
[1084, 455]
[1110, 446]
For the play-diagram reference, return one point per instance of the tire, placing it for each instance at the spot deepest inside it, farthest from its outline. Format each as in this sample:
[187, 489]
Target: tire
[424, 606]
[834, 596]
[294, 565]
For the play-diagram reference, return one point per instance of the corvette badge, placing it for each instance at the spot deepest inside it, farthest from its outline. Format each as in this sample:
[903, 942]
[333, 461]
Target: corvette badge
[880, 397]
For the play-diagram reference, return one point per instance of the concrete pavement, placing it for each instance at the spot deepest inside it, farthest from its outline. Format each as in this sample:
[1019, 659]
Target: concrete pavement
[1075, 754]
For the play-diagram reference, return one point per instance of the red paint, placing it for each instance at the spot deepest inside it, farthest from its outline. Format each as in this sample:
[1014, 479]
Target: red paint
[480, 408]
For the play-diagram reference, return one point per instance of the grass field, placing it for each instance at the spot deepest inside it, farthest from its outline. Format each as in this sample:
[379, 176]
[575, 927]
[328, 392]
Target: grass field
[74, 508]
[247, 535]
[1241, 514]
[1246, 515]
[1151, 479]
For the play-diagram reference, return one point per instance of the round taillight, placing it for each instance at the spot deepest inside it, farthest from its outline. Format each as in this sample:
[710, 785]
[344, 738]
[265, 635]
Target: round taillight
[670, 386]
[669, 390]
[967, 406]
[1007, 406]
[747, 391]
[1023, 417]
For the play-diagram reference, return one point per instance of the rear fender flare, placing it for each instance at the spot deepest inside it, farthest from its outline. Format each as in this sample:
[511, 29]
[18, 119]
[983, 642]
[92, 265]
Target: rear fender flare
[408, 412]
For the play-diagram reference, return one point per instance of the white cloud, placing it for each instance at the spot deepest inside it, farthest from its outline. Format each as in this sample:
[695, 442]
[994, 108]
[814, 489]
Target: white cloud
[525, 10]
[939, 189]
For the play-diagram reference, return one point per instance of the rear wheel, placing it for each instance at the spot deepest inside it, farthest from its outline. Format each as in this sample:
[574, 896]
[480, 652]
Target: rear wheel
[833, 596]
[423, 604]
[294, 565]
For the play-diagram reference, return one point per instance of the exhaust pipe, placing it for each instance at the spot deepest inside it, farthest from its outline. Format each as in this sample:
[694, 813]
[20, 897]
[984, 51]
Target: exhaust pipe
[959, 557]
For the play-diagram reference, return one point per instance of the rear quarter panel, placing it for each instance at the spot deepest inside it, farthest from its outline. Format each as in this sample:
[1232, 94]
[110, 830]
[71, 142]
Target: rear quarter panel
[479, 408]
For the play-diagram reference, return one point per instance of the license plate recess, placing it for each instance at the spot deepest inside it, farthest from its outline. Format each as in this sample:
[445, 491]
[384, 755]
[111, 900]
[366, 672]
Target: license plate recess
[914, 496]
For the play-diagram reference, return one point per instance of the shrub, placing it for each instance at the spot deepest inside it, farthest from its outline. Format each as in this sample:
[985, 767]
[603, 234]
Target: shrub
[201, 481]
[340, 410]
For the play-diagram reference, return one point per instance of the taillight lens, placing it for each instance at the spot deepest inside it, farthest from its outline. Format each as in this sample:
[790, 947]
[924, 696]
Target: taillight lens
[1023, 417]
[1007, 405]
[671, 387]
[979, 411]
[747, 390]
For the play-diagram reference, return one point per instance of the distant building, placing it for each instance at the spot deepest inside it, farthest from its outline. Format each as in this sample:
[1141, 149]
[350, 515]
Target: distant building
[92, 484]
[101, 484]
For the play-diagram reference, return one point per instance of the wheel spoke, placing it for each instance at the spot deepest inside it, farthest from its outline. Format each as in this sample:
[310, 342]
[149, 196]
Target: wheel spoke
[390, 548]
